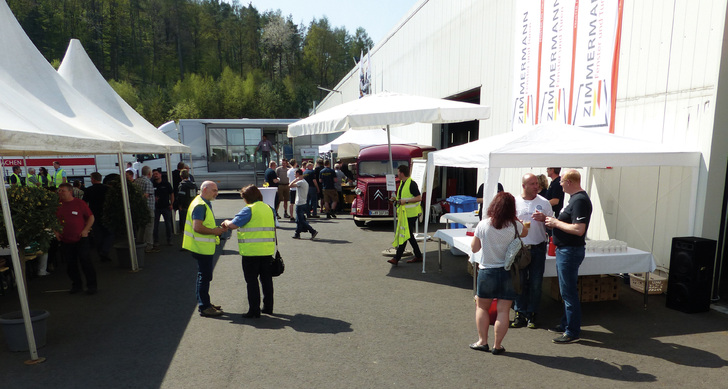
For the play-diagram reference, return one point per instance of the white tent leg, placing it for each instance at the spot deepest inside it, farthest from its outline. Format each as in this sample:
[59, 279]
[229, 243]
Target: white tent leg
[167, 156]
[127, 216]
[18, 268]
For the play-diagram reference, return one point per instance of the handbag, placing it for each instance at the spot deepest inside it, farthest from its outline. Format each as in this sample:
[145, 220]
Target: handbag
[277, 267]
[517, 255]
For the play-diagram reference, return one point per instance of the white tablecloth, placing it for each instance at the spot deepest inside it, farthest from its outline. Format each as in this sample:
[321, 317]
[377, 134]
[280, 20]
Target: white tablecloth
[631, 261]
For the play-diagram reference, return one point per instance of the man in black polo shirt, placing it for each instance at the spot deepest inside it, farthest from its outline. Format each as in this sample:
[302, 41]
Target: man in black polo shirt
[555, 193]
[569, 237]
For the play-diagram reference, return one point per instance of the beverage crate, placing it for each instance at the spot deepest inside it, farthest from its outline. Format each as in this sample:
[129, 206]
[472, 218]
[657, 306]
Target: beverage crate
[657, 284]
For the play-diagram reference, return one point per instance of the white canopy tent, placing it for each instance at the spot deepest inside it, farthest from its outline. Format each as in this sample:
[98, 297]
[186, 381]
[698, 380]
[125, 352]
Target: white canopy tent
[41, 114]
[350, 143]
[80, 72]
[554, 144]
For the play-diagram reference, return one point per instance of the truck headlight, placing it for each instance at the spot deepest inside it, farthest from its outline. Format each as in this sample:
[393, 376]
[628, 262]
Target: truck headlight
[358, 191]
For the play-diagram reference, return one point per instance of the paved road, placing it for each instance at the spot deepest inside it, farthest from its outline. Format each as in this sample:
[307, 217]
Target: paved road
[343, 318]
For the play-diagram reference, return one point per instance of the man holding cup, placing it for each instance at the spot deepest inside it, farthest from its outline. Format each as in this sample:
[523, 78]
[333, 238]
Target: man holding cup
[532, 210]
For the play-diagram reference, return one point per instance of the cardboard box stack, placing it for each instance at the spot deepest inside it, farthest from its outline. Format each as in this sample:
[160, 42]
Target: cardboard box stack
[591, 288]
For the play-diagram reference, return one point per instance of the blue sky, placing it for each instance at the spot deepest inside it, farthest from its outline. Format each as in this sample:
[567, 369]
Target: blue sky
[377, 17]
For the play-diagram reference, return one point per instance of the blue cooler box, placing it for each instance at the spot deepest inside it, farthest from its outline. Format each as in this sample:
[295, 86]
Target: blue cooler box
[459, 204]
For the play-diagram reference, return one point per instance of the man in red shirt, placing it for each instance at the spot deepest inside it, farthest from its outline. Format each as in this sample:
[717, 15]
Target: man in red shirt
[76, 220]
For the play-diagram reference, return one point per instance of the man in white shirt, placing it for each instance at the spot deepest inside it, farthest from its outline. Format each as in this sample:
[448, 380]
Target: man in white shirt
[301, 206]
[293, 166]
[531, 208]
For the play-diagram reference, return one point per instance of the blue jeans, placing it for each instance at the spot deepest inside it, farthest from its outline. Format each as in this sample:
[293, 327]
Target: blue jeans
[204, 276]
[301, 223]
[568, 260]
[531, 281]
[312, 201]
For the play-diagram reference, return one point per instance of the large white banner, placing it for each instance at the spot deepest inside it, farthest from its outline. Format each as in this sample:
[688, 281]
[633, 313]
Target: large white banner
[566, 57]
[556, 56]
[525, 83]
[593, 58]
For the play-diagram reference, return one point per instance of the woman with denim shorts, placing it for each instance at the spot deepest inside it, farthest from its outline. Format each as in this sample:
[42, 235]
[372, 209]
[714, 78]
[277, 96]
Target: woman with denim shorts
[493, 235]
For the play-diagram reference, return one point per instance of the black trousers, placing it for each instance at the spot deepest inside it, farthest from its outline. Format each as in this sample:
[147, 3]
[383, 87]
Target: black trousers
[255, 267]
[75, 254]
[413, 242]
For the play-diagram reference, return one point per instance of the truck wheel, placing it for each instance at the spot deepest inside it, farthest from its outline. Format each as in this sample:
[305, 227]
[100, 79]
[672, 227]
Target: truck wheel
[359, 223]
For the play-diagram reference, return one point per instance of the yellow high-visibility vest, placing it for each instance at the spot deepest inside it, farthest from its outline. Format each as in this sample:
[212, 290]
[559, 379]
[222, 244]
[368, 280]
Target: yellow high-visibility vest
[194, 241]
[258, 236]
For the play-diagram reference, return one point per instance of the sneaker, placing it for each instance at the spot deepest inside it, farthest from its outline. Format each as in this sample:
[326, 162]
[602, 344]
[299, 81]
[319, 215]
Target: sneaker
[297, 236]
[333, 214]
[519, 322]
[557, 330]
[210, 312]
[313, 235]
[565, 339]
[285, 215]
[531, 324]
[328, 216]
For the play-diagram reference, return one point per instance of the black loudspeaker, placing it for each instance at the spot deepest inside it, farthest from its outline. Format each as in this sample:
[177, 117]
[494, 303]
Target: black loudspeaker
[691, 274]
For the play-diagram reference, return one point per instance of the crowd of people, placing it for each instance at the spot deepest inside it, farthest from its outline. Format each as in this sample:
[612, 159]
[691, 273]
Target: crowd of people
[536, 215]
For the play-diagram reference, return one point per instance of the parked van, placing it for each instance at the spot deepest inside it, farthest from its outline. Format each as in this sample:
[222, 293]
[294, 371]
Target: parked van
[372, 199]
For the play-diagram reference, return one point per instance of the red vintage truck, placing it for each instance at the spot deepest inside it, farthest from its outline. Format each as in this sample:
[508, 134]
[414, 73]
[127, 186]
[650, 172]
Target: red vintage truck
[371, 202]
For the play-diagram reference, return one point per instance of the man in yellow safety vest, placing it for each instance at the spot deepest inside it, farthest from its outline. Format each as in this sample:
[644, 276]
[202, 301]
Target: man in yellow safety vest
[407, 200]
[201, 237]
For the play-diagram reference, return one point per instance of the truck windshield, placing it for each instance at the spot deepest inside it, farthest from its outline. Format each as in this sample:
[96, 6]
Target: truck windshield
[378, 168]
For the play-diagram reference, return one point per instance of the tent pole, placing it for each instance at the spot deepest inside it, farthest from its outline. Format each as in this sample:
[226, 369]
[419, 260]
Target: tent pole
[18, 268]
[167, 156]
[127, 216]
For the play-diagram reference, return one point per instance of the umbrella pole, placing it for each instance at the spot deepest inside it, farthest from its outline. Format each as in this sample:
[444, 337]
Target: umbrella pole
[391, 171]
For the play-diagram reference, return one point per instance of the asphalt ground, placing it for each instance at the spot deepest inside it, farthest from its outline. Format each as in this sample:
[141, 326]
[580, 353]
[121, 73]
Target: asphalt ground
[343, 318]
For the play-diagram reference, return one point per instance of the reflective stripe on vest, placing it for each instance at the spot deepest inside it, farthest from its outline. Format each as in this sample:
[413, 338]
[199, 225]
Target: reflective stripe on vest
[258, 236]
[194, 241]
[413, 209]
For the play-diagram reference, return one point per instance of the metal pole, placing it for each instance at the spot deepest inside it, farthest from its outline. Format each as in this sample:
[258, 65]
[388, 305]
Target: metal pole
[174, 190]
[127, 216]
[17, 266]
[391, 171]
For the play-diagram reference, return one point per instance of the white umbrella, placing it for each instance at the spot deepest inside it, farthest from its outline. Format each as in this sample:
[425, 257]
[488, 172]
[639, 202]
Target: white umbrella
[387, 109]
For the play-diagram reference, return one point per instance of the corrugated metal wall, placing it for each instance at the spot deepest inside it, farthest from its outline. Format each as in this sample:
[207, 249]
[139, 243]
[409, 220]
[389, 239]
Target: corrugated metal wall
[667, 86]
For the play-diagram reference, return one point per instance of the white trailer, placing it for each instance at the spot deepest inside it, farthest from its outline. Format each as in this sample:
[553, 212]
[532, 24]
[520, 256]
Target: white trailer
[223, 150]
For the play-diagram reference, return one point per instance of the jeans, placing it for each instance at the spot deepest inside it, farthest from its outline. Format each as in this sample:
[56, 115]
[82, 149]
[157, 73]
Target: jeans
[204, 276]
[312, 201]
[413, 242]
[568, 260]
[531, 281]
[301, 223]
[166, 213]
[254, 267]
[77, 253]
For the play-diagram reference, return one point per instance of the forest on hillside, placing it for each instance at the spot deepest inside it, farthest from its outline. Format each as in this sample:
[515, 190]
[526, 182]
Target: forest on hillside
[172, 59]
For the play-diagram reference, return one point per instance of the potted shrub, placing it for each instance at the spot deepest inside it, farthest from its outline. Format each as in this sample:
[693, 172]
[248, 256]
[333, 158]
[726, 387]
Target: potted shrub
[115, 220]
[33, 211]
